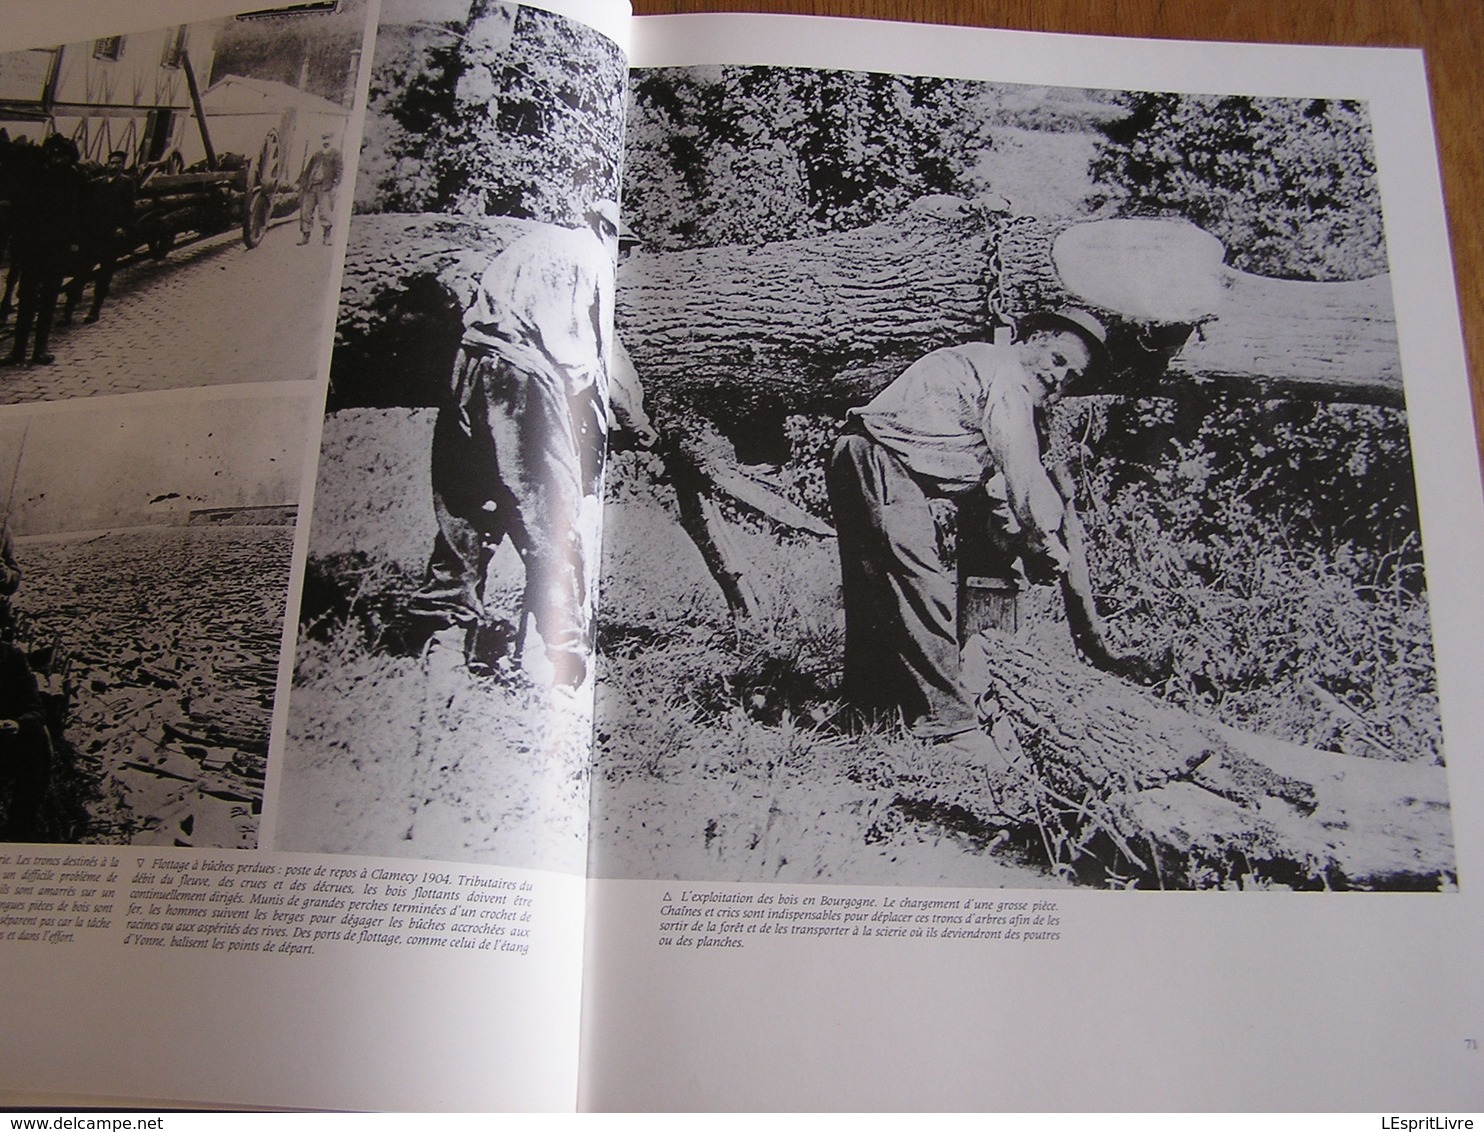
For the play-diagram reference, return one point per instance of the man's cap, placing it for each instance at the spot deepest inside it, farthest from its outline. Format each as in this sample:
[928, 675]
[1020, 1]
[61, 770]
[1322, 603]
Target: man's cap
[1082, 323]
[627, 237]
[604, 211]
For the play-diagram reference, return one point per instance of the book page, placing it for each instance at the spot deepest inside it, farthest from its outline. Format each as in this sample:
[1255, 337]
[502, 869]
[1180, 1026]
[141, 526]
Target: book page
[262, 847]
[1038, 653]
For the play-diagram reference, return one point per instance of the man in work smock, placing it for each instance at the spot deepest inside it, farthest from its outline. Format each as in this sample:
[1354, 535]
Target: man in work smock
[517, 449]
[947, 424]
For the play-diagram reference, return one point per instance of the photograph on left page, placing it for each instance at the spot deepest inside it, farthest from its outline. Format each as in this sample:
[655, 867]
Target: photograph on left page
[169, 233]
[442, 692]
[167, 201]
[144, 567]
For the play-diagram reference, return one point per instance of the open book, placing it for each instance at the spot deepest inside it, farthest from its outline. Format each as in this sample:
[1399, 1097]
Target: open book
[559, 561]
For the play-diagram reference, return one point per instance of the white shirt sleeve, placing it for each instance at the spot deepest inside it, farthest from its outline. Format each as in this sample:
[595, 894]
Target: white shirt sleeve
[1010, 432]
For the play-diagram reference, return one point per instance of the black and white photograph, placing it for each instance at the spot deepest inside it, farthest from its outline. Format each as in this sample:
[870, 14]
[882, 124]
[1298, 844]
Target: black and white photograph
[443, 680]
[168, 204]
[146, 550]
[1032, 503]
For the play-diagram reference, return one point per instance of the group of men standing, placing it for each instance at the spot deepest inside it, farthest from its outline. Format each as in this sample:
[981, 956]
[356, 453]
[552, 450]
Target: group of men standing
[66, 220]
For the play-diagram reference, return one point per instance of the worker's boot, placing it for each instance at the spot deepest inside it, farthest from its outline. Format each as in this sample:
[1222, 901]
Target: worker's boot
[487, 649]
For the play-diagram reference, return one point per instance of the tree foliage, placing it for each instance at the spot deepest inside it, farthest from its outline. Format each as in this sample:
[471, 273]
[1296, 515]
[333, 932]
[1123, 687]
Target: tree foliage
[316, 52]
[1289, 185]
[752, 154]
[468, 122]
[1273, 548]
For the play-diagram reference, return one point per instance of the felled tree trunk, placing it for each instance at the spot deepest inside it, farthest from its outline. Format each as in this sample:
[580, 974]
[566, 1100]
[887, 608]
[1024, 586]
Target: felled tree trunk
[1254, 336]
[740, 334]
[737, 333]
[1144, 791]
[804, 325]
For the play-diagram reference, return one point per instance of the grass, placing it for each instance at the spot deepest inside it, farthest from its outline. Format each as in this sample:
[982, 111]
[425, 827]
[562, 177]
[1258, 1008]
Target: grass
[717, 747]
[392, 747]
[718, 753]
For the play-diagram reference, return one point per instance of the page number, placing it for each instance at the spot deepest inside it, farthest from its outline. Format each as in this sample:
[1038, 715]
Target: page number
[1471, 1043]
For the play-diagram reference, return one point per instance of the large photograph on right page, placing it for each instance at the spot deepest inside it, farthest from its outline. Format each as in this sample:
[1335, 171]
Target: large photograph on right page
[1032, 503]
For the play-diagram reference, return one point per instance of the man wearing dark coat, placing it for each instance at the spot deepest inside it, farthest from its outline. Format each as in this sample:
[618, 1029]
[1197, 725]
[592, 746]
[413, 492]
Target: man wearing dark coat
[50, 203]
[317, 184]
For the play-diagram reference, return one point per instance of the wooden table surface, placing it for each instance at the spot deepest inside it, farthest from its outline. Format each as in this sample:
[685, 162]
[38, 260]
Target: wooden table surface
[1451, 32]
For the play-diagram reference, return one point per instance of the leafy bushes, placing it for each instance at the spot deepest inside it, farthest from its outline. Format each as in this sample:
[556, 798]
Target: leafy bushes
[1288, 184]
[460, 122]
[1274, 549]
[719, 155]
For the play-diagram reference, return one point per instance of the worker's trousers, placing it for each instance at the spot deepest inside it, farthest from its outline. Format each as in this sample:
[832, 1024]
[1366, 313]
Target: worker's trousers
[507, 464]
[901, 644]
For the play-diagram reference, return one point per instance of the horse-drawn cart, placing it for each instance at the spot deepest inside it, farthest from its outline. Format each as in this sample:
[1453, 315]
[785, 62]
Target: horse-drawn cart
[208, 198]
[211, 196]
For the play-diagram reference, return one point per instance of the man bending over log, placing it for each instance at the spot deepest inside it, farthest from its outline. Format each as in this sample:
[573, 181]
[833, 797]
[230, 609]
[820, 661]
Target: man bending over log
[939, 431]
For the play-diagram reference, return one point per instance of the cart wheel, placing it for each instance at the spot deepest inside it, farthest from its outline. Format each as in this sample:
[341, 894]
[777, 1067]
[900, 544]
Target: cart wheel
[255, 222]
[269, 169]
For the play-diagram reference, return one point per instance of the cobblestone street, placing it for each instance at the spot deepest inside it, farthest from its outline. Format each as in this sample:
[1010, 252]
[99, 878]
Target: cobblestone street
[211, 313]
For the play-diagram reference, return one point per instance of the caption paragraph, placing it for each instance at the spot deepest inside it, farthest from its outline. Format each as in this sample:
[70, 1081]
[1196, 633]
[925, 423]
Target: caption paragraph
[234, 905]
[56, 897]
[718, 918]
[228, 904]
